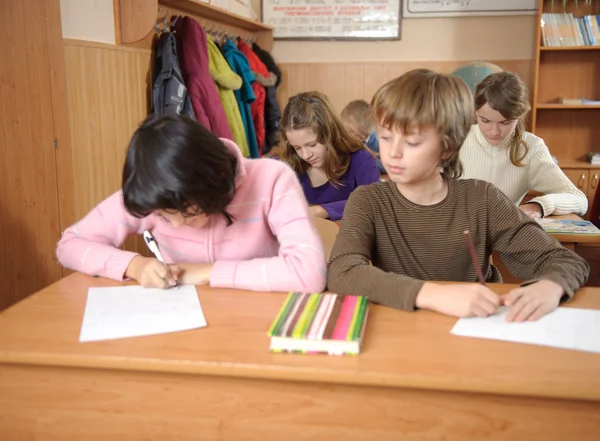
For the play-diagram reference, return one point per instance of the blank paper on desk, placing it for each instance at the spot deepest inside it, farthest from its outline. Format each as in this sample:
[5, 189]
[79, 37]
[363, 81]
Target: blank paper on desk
[132, 311]
[569, 328]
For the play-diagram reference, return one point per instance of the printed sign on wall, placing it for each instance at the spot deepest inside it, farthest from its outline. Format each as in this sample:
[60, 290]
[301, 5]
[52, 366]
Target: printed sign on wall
[333, 19]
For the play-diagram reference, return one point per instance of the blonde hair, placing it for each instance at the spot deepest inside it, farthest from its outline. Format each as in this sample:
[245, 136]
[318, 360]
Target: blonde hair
[359, 113]
[314, 110]
[424, 98]
[507, 94]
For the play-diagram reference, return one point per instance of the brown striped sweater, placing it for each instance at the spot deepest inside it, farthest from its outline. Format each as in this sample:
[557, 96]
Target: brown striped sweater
[409, 244]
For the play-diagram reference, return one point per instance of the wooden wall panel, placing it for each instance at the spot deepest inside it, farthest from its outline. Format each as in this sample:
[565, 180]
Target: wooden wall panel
[29, 203]
[108, 89]
[107, 100]
[343, 82]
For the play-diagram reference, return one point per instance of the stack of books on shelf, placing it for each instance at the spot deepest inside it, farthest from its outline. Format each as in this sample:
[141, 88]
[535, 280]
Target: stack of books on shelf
[567, 30]
[578, 102]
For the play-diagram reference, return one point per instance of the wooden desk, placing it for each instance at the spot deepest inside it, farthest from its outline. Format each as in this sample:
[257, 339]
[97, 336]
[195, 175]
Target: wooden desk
[413, 381]
[585, 245]
[570, 240]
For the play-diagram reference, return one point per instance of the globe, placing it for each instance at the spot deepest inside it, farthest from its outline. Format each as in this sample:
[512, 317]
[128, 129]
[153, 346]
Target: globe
[473, 73]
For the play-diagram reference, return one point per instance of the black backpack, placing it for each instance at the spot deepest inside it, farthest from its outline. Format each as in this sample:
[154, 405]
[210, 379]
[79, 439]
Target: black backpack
[169, 93]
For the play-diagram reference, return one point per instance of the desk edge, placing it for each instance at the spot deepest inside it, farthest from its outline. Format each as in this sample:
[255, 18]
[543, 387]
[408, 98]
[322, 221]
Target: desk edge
[302, 374]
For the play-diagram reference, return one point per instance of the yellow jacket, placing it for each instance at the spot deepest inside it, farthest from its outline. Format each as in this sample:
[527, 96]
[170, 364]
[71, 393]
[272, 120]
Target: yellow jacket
[228, 81]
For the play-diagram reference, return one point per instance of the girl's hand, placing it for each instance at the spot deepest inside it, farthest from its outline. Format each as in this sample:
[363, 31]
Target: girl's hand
[151, 273]
[468, 300]
[195, 273]
[532, 210]
[532, 301]
[318, 211]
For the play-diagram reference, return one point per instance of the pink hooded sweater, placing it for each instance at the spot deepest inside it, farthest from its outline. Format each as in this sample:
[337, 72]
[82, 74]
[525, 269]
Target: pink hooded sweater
[272, 245]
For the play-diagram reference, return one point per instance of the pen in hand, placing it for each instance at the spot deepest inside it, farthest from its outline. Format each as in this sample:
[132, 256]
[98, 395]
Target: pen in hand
[474, 257]
[153, 246]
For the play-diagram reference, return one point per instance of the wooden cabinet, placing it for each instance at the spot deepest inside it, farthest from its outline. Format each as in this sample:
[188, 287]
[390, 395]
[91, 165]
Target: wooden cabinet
[585, 179]
[35, 161]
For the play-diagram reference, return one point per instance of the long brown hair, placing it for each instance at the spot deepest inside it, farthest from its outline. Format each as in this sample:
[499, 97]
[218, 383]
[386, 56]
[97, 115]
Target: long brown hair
[507, 94]
[424, 98]
[314, 110]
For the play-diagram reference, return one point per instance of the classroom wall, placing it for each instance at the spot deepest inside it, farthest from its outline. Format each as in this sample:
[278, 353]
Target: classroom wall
[426, 39]
[347, 70]
[91, 20]
[352, 70]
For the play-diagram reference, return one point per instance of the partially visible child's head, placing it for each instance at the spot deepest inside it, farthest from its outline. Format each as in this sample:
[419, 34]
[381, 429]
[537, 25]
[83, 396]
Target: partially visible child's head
[314, 136]
[423, 119]
[501, 105]
[178, 169]
[358, 119]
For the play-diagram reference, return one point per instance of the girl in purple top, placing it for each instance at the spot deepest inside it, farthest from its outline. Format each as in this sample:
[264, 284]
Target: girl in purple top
[329, 161]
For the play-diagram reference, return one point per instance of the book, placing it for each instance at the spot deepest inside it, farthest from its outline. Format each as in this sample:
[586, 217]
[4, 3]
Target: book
[566, 226]
[320, 323]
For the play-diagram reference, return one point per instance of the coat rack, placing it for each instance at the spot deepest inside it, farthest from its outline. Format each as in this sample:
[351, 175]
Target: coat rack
[139, 22]
[219, 34]
[167, 25]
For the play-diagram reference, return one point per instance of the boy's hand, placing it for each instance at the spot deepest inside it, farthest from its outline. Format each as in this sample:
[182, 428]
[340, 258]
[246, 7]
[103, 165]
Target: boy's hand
[532, 301]
[468, 300]
[151, 273]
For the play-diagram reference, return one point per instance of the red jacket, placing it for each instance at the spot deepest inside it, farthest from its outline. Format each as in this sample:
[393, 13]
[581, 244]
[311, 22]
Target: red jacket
[192, 49]
[257, 108]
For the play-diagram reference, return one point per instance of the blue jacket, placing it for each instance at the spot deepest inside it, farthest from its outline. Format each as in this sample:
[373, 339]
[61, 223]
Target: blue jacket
[244, 95]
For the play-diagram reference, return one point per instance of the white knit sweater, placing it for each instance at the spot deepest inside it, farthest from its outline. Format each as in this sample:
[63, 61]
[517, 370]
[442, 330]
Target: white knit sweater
[484, 161]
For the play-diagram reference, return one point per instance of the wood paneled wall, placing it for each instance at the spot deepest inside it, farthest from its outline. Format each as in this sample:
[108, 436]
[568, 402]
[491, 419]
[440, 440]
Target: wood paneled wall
[108, 94]
[344, 82]
[108, 98]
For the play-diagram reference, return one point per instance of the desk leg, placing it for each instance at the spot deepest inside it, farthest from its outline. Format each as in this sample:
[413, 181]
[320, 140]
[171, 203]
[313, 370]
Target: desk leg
[54, 404]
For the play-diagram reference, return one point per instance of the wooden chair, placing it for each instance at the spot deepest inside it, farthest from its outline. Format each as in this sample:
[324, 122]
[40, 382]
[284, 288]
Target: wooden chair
[328, 231]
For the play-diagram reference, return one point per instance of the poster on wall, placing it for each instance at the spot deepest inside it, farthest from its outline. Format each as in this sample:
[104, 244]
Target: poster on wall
[333, 19]
[465, 8]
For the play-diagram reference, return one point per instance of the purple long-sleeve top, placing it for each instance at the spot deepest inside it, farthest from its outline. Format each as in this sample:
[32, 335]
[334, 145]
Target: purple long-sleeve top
[362, 171]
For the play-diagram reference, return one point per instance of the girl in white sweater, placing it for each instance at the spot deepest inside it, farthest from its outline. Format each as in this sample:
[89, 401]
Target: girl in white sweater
[500, 151]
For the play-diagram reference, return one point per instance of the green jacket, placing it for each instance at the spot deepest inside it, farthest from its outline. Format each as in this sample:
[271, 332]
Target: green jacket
[227, 81]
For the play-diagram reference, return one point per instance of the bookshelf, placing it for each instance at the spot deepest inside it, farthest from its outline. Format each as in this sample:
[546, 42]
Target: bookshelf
[570, 131]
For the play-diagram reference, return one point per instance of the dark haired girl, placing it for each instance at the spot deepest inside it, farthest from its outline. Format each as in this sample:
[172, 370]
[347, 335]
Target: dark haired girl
[217, 217]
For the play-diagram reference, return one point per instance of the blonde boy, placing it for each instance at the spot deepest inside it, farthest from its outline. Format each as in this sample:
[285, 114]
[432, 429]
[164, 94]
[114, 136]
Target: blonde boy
[412, 227]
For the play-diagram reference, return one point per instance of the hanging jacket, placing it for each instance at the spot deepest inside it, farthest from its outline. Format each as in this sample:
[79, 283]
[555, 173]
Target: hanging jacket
[257, 108]
[272, 109]
[169, 94]
[193, 50]
[244, 95]
[227, 81]
[272, 120]
[268, 61]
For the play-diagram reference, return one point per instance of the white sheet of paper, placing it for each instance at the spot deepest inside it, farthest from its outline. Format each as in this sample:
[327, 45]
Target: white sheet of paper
[569, 328]
[133, 311]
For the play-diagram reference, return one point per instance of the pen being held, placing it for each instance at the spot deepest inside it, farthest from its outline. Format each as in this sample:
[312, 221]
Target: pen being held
[171, 278]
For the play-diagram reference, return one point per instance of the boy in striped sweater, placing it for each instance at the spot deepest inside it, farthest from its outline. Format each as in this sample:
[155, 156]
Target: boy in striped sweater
[411, 228]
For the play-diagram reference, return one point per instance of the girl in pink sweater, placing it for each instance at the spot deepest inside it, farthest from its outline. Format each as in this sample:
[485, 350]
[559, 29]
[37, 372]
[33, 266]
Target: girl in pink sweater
[218, 218]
